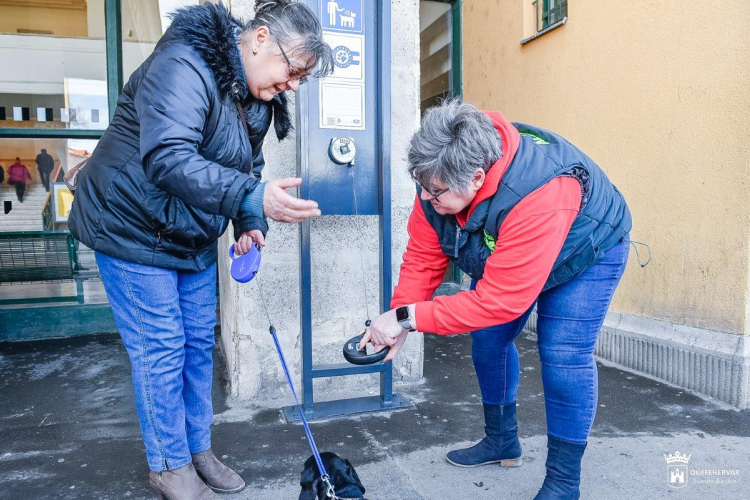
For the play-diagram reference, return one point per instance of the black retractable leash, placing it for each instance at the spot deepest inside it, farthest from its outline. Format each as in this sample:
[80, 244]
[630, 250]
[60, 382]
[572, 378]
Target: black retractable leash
[357, 356]
[352, 353]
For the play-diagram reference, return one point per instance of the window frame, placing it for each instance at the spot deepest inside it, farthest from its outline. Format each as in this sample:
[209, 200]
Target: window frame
[551, 16]
[113, 53]
[456, 84]
[562, 18]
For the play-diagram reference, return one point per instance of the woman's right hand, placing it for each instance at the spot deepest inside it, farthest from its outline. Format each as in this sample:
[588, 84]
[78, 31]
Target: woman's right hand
[282, 207]
[246, 241]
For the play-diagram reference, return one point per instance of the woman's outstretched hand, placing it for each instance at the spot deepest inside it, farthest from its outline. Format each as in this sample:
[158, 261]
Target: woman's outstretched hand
[282, 207]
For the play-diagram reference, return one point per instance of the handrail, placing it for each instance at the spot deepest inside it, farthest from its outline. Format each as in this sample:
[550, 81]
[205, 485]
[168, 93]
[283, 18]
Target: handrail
[7, 234]
[47, 216]
[56, 171]
[46, 202]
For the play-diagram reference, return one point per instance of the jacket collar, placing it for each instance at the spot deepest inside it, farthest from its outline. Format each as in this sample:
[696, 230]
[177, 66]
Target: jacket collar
[510, 141]
[213, 32]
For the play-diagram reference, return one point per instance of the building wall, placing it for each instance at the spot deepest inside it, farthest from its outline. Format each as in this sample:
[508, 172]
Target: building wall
[656, 93]
[140, 19]
[61, 22]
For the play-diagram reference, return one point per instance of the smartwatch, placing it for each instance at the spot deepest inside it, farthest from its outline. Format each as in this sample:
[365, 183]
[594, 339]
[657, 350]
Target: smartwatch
[402, 315]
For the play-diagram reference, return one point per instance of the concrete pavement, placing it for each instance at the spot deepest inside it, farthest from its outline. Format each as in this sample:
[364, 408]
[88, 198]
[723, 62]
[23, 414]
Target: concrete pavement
[69, 430]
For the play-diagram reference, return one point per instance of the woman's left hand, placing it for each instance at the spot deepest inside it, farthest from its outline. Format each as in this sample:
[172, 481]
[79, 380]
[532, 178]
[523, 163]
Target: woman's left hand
[395, 347]
[383, 330]
[246, 241]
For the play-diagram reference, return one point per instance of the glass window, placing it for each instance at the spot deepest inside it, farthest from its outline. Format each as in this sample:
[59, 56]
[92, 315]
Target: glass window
[436, 42]
[42, 203]
[437, 72]
[46, 161]
[54, 64]
[553, 11]
[143, 24]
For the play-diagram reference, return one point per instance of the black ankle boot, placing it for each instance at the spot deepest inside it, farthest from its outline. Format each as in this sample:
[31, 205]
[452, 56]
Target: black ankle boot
[500, 444]
[563, 477]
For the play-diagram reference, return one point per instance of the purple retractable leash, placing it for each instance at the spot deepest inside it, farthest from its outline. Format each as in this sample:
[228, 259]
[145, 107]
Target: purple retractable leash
[244, 269]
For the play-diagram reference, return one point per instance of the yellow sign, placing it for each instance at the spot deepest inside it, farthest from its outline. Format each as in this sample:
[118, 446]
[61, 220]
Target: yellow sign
[63, 202]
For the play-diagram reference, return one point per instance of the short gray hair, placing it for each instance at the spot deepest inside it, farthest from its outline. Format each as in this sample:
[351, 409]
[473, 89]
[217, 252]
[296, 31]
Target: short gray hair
[455, 140]
[288, 19]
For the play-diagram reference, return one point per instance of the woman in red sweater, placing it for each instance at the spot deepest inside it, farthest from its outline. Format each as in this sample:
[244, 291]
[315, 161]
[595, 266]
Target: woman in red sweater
[534, 222]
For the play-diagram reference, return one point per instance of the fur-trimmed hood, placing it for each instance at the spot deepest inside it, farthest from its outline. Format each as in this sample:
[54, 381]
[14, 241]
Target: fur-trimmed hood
[212, 32]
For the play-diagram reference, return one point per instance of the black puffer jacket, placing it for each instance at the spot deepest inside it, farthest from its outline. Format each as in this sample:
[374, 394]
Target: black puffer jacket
[175, 162]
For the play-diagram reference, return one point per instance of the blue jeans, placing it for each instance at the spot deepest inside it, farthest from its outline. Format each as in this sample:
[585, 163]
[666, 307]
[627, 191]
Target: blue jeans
[569, 318]
[166, 320]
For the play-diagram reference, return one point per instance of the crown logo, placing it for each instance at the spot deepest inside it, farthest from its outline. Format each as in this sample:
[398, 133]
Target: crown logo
[680, 458]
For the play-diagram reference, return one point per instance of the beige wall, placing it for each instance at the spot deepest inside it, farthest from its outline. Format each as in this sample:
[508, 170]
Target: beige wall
[657, 93]
[140, 20]
[61, 22]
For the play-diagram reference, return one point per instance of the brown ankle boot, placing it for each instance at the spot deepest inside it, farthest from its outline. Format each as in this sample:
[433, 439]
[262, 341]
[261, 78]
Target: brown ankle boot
[217, 476]
[180, 484]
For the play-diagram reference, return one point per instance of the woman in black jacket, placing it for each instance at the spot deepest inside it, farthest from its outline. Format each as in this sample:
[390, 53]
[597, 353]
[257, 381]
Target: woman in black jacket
[179, 160]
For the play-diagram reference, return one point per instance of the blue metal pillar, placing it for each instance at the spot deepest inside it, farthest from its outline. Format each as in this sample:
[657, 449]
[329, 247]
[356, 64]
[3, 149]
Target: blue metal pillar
[384, 164]
[318, 185]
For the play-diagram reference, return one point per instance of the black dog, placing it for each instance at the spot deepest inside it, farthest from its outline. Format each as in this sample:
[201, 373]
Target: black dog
[343, 477]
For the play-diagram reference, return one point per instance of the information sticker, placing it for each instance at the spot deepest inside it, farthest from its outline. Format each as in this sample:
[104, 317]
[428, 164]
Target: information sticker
[342, 105]
[348, 55]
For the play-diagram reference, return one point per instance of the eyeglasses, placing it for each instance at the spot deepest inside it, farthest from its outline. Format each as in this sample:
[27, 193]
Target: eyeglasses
[436, 194]
[294, 74]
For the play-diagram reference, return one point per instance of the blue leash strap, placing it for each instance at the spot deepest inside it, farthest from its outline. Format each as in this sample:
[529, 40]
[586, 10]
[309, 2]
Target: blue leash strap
[310, 439]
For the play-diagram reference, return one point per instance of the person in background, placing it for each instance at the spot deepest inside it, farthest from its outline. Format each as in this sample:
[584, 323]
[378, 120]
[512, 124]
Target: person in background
[181, 159]
[2, 174]
[45, 164]
[18, 176]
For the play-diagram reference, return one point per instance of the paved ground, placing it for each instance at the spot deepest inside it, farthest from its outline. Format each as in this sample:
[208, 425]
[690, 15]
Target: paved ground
[68, 430]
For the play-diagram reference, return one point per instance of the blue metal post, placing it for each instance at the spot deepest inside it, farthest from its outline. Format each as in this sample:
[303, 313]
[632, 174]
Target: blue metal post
[307, 105]
[306, 315]
[305, 259]
[384, 164]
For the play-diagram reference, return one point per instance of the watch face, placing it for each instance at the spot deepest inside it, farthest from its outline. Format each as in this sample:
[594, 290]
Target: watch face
[402, 313]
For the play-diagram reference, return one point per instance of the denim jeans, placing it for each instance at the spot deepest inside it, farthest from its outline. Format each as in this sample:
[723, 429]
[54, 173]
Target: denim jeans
[166, 320]
[569, 317]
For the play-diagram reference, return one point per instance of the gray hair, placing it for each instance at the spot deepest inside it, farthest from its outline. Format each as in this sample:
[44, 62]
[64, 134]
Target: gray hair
[288, 19]
[455, 140]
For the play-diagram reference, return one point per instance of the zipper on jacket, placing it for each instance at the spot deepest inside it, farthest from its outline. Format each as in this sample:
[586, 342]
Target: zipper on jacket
[158, 230]
[458, 237]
